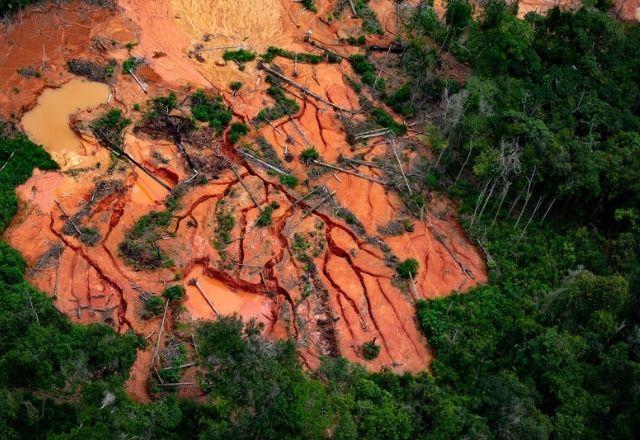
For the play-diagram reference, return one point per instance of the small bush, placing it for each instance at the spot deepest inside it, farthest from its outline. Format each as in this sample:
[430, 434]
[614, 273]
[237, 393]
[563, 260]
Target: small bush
[162, 105]
[309, 5]
[301, 57]
[210, 109]
[386, 120]
[174, 293]
[240, 55]
[289, 180]
[408, 268]
[236, 85]
[89, 236]
[366, 71]
[309, 155]
[283, 107]
[264, 219]
[370, 350]
[109, 127]
[139, 248]
[237, 131]
[129, 65]
[153, 306]
[225, 223]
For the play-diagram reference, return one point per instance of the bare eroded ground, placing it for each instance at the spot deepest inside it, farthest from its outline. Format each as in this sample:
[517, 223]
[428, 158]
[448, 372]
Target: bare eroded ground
[355, 297]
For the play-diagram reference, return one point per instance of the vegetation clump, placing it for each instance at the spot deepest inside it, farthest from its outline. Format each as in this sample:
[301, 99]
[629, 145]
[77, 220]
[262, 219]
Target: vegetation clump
[130, 65]
[152, 305]
[381, 117]
[308, 155]
[289, 180]
[366, 71]
[240, 55]
[237, 131]
[109, 128]
[370, 350]
[309, 5]
[224, 225]
[408, 268]
[300, 57]
[210, 109]
[89, 236]
[264, 218]
[283, 106]
[29, 72]
[139, 247]
[370, 22]
[174, 293]
[93, 71]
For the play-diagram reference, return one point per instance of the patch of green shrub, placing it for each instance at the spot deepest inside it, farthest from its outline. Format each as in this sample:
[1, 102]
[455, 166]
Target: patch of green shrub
[139, 248]
[308, 155]
[301, 57]
[89, 236]
[289, 180]
[174, 293]
[237, 131]
[366, 71]
[109, 128]
[210, 109]
[153, 306]
[408, 268]
[370, 350]
[129, 65]
[264, 219]
[240, 55]
[381, 117]
[224, 225]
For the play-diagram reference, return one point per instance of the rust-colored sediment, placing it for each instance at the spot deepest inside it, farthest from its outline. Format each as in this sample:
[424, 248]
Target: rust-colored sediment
[355, 297]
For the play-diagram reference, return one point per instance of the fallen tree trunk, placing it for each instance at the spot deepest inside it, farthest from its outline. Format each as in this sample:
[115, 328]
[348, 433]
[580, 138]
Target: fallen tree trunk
[268, 69]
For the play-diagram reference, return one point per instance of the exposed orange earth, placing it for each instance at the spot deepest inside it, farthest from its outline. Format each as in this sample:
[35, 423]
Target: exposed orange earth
[356, 297]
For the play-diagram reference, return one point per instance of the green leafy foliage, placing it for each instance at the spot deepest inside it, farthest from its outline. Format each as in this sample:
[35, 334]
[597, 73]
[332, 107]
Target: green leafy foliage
[367, 71]
[174, 293]
[240, 55]
[408, 268]
[224, 225]
[264, 218]
[153, 306]
[237, 131]
[370, 350]
[129, 65]
[370, 22]
[289, 180]
[139, 247]
[210, 109]
[381, 117]
[309, 5]
[308, 155]
[283, 106]
[109, 128]
[301, 57]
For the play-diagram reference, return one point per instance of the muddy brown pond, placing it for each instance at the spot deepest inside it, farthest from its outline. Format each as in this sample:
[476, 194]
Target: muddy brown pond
[47, 123]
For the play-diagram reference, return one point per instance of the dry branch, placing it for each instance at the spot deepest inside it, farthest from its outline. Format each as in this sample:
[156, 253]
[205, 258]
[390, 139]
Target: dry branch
[268, 69]
[353, 173]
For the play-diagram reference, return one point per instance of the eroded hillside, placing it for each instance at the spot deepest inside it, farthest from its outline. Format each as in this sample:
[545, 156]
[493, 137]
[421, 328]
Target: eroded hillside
[301, 222]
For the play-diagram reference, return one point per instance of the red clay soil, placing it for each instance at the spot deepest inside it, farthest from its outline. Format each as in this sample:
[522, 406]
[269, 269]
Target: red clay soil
[355, 297]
